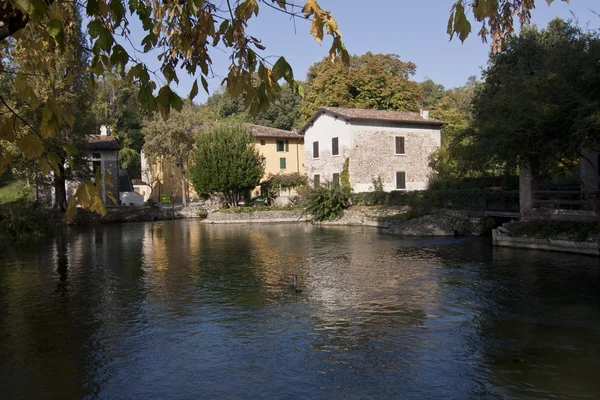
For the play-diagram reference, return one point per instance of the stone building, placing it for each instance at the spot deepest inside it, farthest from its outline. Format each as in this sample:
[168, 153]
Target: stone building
[394, 146]
[102, 152]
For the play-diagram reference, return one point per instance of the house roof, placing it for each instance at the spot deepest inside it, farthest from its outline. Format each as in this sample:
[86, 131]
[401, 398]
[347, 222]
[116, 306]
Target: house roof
[265, 131]
[101, 142]
[363, 114]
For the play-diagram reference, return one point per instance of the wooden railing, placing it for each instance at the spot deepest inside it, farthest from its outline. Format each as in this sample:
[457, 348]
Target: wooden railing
[565, 199]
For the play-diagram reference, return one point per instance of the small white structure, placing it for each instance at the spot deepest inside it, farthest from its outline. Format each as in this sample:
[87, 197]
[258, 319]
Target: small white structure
[392, 146]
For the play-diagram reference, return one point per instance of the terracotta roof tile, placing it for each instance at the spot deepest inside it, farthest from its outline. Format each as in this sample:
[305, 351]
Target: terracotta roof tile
[265, 131]
[100, 142]
[374, 115]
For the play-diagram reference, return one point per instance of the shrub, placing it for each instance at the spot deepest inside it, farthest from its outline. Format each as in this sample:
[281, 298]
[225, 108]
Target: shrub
[327, 202]
[22, 219]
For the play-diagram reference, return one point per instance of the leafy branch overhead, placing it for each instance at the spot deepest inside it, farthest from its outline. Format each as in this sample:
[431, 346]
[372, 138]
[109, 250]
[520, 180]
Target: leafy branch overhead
[497, 18]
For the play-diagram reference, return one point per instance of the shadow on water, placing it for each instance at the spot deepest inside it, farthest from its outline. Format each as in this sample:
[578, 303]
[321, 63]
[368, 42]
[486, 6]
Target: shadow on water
[181, 309]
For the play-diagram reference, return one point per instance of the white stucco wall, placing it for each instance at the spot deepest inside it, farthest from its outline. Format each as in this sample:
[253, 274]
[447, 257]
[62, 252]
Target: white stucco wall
[370, 145]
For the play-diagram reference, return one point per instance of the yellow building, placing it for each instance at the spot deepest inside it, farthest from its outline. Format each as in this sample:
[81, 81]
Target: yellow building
[282, 151]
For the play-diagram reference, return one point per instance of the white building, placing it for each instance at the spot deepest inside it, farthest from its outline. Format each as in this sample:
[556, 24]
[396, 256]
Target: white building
[394, 146]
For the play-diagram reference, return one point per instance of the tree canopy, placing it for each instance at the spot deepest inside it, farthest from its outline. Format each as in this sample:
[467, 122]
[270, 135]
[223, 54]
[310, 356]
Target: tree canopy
[226, 161]
[374, 81]
[540, 99]
[173, 140]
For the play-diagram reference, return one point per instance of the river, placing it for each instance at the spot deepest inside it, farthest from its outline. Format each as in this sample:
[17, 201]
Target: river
[184, 310]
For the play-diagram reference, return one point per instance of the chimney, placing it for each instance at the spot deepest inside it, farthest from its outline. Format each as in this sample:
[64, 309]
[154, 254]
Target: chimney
[424, 113]
[105, 130]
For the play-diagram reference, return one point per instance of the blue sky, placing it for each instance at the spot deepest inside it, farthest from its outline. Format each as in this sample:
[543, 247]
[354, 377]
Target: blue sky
[413, 29]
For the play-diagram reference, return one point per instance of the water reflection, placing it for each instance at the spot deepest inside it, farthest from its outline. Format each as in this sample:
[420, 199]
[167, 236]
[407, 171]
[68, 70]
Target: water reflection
[181, 309]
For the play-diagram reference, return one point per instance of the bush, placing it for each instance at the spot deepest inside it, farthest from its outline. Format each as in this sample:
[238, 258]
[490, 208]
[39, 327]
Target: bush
[509, 182]
[468, 199]
[327, 202]
[22, 219]
[550, 229]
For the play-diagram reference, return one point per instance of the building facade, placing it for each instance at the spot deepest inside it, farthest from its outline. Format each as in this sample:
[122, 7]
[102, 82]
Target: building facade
[391, 147]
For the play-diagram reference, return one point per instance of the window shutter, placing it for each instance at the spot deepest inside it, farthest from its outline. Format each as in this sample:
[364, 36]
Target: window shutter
[400, 145]
[335, 146]
[315, 149]
[282, 163]
[287, 146]
[400, 180]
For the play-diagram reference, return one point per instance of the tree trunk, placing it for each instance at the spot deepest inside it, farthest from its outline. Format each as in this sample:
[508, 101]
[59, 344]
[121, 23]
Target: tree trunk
[183, 187]
[528, 184]
[60, 192]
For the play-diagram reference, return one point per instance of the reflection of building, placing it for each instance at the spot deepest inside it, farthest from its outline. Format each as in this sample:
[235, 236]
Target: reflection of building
[102, 153]
[392, 145]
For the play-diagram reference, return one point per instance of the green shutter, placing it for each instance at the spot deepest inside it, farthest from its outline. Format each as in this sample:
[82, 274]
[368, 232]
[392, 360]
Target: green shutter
[282, 163]
[277, 145]
[287, 146]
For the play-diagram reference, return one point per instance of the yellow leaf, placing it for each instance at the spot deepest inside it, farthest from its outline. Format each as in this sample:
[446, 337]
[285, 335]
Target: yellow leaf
[31, 146]
[68, 117]
[70, 149]
[50, 120]
[44, 165]
[7, 129]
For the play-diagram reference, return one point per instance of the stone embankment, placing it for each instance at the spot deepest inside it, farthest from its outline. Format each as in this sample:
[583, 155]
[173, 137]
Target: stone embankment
[435, 223]
[505, 236]
[256, 217]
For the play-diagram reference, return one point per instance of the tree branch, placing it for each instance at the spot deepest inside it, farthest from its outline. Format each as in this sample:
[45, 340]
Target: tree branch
[16, 114]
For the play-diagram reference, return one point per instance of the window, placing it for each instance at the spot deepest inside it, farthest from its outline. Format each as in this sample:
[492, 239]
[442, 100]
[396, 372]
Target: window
[400, 145]
[262, 142]
[283, 145]
[336, 179]
[317, 179]
[315, 149]
[335, 150]
[400, 180]
[282, 163]
[96, 165]
[96, 155]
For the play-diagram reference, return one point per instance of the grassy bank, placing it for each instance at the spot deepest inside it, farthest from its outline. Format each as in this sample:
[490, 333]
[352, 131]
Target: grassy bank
[14, 190]
[578, 231]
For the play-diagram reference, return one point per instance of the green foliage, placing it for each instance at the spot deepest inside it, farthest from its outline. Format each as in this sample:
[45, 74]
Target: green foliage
[432, 93]
[345, 176]
[373, 81]
[377, 184]
[467, 199]
[226, 161]
[551, 229]
[539, 101]
[283, 113]
[22, 220]
[275, 183]
[508, 182]
[14, 191]
[130, 160]
[327, 202]
[173, 140]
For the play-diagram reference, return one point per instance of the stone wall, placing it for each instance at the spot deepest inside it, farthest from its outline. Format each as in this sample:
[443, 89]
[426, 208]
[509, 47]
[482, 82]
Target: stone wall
[256, 217]
[374, 156]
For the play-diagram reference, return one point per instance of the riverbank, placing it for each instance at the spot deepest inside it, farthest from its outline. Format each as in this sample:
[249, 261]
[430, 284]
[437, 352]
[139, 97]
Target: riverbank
[566, 237]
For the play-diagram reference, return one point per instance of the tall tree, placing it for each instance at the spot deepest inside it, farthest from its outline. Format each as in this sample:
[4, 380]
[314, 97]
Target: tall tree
[57, 92]
[173, 140]
[539, 103]
[432, 93]
[374, 81]
[227, 161]
[284, 113]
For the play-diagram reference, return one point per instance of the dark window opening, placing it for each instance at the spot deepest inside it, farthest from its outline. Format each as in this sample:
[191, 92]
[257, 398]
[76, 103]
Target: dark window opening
[401, 180]
[335, 146]
[262, 142]
[317, 179]
[315, 149]
[280, 145]
[400, 145]
[336, 179]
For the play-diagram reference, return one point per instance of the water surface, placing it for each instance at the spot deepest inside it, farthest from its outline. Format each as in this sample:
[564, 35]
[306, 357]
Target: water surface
[185, 310]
